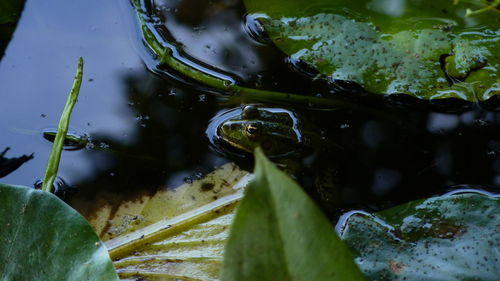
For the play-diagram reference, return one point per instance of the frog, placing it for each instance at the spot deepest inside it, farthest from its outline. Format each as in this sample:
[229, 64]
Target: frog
[279, 132]
[286, 137]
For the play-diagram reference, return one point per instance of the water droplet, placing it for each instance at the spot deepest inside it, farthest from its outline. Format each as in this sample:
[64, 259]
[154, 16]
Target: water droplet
[481, 122]
[103, 145]
[141, 117]
[198, 175]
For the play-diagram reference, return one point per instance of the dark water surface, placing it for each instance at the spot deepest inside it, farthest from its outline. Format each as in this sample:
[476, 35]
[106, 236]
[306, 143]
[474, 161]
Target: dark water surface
[154, 127]
[148, 130]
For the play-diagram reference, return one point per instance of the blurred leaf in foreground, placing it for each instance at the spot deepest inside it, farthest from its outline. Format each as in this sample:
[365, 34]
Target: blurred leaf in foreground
[452, 238]
[42, 238]
[280, 234]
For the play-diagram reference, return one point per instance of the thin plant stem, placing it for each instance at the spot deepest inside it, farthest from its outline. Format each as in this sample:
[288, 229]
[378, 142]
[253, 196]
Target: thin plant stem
[167, 58]
[62, 129]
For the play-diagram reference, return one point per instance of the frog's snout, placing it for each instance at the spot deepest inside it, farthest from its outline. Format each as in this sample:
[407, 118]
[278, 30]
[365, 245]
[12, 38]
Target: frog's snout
[224, 129]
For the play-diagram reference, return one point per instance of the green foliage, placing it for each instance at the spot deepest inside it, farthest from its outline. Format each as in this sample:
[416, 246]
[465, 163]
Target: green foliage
[42, 238]
[280, 234]
[10, 10]
[391, 47]
[164, 53]
[453, 238]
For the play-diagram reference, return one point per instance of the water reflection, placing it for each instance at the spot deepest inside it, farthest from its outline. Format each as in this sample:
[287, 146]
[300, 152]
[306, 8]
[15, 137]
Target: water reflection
[37, 71]
[147, 130]
[213, 33]
[167, 146]
[9, 165]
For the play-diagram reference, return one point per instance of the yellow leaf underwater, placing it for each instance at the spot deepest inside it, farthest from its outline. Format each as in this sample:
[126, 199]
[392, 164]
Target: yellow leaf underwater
[176, 234]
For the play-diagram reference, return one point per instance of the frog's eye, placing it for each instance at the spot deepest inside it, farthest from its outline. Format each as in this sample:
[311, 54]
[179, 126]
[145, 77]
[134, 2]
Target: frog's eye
[249, 111]
[252, 130]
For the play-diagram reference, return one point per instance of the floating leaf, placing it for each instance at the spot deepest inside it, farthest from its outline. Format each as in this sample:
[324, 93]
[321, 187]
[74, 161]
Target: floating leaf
[42, 238]
[452, 238]
[280, 234]
[425, 49]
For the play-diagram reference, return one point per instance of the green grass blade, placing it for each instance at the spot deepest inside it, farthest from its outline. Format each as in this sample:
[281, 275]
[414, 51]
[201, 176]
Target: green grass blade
[62, 129]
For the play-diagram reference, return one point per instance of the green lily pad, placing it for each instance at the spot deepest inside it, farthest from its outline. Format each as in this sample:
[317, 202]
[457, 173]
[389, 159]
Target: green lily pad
[280, 234]
[429, 50]
[42, 238]
[449, 238]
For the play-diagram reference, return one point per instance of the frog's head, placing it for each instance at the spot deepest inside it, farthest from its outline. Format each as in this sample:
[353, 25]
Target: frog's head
[276, 130]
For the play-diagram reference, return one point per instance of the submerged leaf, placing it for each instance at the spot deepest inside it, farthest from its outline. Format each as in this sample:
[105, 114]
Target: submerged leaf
[425, 49]
[42, 238]
[280, 234]
[452, 238]
[176, 234]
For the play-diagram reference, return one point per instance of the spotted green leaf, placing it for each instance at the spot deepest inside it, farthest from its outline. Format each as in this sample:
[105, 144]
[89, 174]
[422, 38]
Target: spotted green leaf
[450, 238]
[42, 238]
[426, 49]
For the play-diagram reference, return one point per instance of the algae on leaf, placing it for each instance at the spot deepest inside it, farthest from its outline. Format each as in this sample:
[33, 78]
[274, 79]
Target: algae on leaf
[452, 238]
[280, 234]
[429, 50]
[42, 238]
